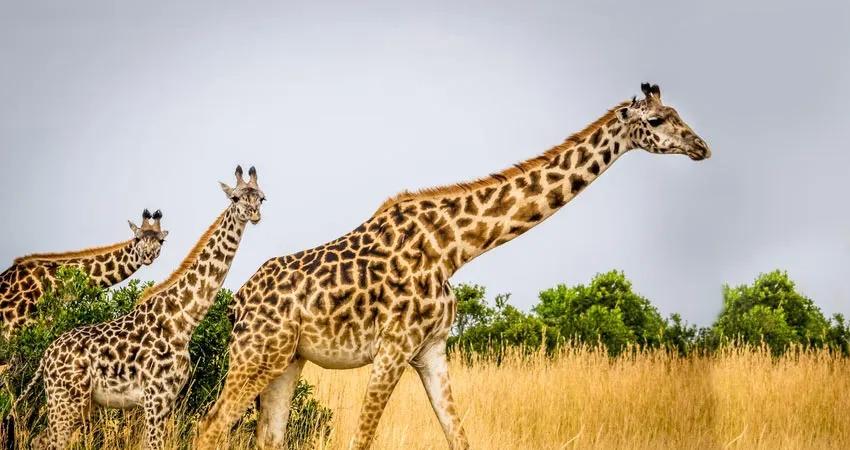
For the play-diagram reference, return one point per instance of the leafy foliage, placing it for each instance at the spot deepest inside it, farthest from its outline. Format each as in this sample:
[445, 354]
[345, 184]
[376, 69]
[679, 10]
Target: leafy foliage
[308, 419]
[838, 335]
[771, 311]
[485, 329]
[606, 311]
[208, 352]
[679, 336]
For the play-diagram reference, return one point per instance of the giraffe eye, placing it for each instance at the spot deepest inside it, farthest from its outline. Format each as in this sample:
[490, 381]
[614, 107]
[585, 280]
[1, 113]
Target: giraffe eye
[655, 121]
[262, 200]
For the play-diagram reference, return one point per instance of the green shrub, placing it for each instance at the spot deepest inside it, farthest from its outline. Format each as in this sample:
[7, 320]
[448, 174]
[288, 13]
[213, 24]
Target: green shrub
[208, 351]
[680, 337]
[838, 335]
[308, 419]
[771, 311]
[482, 329]
[606, 311]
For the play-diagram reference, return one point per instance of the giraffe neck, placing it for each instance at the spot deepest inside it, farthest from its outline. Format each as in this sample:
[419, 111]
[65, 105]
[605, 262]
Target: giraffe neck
[187, 295]
[113, 267]
[106, 267]
[508, 204]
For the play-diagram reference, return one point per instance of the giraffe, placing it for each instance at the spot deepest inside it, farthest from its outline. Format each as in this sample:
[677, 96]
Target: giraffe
[142, 358]
[380, 294]
[24, 282]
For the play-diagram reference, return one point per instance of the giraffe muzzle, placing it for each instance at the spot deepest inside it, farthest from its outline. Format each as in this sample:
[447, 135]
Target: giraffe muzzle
[699, 150]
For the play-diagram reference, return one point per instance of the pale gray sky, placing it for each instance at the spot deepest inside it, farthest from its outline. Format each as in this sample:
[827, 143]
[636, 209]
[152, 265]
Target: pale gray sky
[106, 109]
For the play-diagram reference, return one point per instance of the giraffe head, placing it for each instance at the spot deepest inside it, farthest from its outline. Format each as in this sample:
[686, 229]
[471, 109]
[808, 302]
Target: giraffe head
[246, 196]
[657, 128]
[149, 237]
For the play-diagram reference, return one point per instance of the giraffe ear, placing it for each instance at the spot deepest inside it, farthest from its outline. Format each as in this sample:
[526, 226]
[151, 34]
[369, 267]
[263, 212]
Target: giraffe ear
[162, 235]
[136, 231]
[624, 114]
[228, 191]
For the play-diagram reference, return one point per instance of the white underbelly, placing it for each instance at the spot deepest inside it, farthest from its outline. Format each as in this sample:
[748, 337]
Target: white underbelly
[124, 399]
[334, 358]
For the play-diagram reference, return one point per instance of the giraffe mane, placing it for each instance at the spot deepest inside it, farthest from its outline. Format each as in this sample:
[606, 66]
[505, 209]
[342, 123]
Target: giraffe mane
[186, 264]
[499, 177]
[84, 253]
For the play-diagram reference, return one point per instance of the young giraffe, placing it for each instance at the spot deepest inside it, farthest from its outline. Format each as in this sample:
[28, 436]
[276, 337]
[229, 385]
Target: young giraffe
[380, 293]
[24, 283]
[142, 358]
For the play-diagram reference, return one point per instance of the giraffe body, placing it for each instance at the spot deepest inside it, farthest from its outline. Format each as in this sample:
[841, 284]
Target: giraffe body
[380, 294]
[142, 358]
[22, 284]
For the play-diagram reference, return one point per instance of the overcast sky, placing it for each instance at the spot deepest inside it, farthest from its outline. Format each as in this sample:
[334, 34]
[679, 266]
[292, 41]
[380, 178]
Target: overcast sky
[106, 110]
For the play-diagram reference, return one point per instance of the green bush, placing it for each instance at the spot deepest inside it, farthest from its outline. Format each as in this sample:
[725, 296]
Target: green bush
[606, 311]
[482, 329]
[609, 312]
[680, 337]
[75, 302]
[308, 419]
[208, 351]
[838, 335]
[771, 311]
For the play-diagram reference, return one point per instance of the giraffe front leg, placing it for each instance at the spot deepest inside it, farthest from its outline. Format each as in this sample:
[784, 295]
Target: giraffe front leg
[251, 371]
[274, 407]
[387, 367]
[158, 407]
[433, 370]
[240, 388]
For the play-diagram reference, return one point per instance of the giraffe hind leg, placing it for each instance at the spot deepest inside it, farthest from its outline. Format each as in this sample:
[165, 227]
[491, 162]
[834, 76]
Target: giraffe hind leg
[274, 407]
[67, 413]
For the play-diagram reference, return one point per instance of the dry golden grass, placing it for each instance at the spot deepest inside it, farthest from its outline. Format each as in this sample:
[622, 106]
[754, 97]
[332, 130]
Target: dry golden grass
[738, 399]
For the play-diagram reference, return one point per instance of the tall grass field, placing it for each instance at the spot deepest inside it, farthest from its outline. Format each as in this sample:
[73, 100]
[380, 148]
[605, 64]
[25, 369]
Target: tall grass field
[739, 398]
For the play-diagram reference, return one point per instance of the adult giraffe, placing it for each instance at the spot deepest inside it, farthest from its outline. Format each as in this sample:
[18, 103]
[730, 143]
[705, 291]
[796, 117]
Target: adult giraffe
[380, 293]
[23, 283]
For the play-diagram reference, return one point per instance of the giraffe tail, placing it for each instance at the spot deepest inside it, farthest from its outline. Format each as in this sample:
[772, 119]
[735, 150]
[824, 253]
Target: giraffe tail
[28, 388]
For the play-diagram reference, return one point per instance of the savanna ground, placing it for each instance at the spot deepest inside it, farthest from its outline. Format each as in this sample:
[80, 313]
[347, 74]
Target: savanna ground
[737, 398]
